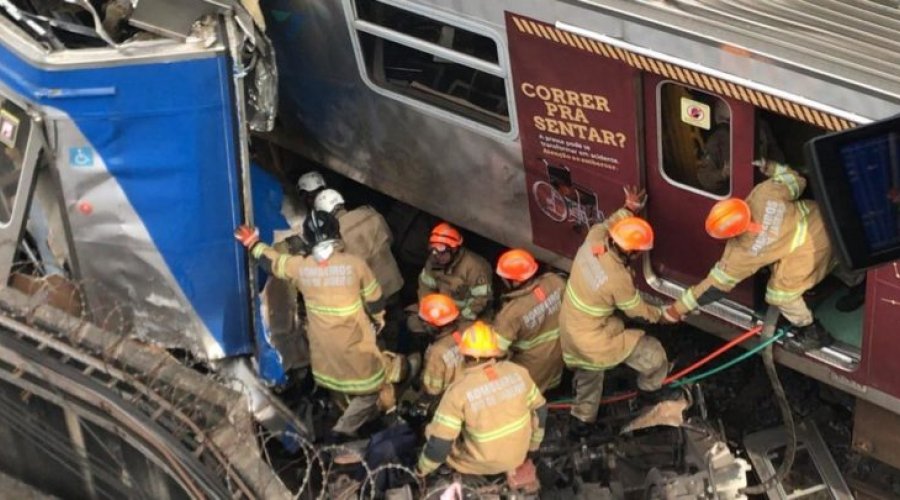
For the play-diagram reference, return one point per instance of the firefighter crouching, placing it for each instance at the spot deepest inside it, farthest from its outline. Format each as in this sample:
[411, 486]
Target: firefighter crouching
[528, 321]
[490, 418]
[772, 227]
[454, 271]
[345, 310]
[593, 338]
[365, 234]
[443, 360]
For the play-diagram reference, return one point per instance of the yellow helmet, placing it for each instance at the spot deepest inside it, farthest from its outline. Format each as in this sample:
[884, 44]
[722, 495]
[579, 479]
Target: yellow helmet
[480, 341]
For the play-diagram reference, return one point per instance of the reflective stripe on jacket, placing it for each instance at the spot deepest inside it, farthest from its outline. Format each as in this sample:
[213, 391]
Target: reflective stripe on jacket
[337, 293]
[489, 415]
[793, 239]
[528, 326]
[591, 335]
[467, 280]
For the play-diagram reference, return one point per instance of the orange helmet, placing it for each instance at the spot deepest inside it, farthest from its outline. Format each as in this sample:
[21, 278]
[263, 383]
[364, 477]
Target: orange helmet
[517, 265]
[438, 309]
[446, 235]
[480, 341]
[632, 234]
[728, 218]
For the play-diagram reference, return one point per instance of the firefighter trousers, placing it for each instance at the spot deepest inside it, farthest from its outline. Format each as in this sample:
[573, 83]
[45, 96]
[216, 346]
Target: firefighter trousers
[648, 359]
[359, 411]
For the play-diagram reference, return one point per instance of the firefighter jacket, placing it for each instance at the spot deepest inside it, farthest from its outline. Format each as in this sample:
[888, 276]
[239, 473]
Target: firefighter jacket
[528, 326]
[467, 280]
[591, 335]
[490, 414]
[793, 239]
[442, 360]
[339, 293]
[366, 234]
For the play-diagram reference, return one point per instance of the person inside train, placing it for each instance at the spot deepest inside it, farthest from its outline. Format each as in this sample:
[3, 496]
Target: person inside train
[772, 228]
[594, 338]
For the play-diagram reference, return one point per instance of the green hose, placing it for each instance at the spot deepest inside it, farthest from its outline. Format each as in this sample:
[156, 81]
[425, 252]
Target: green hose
[759, 347]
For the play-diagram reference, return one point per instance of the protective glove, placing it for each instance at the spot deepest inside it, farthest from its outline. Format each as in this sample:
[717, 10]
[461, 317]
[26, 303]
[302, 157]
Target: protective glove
[378, 321]
[671, 315]
[248, 236]
[635, 198]
[767, 167]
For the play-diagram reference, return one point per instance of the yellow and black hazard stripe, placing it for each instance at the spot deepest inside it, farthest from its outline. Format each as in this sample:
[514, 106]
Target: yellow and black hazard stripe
[681, 74]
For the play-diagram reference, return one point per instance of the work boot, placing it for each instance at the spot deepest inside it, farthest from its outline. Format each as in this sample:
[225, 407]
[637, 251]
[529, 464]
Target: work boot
[854, 299]
[810, 337]
[647, 399]
[579, 429]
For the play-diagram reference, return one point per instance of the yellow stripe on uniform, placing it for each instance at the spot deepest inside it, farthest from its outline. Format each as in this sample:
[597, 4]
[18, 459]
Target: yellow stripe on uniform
[776, 296]
[427, 280]
[543, 338]
[333, 310]
[258, 250]
[504, 342]
[500, 432]
[368, 290]
[723, 278]
[278, 268]
[630, 303]
[532, 395]
[447, 421]
[802, 226]
[480, 290]
[688, 299]
[573, 361]
[350, 385]
[597, 311]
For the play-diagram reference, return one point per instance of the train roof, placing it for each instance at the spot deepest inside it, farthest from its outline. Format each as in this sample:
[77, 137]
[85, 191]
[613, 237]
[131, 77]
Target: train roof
[847, 44]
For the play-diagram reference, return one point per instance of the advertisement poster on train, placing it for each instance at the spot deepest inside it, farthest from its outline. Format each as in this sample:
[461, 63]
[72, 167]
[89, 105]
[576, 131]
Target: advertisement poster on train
[577, 114]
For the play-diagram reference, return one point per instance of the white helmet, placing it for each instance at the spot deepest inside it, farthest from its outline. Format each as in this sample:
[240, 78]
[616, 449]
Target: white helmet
[327, 200]
[310, 182]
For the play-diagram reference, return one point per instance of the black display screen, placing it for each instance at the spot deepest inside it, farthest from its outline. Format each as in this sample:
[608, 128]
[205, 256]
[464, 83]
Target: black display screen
[856, 179]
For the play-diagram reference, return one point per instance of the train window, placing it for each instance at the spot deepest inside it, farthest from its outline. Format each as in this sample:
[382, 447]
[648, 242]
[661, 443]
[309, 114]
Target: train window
[695, 132]
[433, 62]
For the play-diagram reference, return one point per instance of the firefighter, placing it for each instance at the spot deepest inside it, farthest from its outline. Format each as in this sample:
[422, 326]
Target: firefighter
[442, 359]
[453, 270]
[773, 227]
[309, 185]
[365, 234]
[345, 310]
[528, 321]
[490, 418]
[593, 338]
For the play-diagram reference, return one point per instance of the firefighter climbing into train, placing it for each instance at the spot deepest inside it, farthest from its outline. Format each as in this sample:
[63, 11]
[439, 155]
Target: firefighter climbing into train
[528, 320]
[497, 404]
[345, 311]
[772, 227]
[594, 338]
[455, 271]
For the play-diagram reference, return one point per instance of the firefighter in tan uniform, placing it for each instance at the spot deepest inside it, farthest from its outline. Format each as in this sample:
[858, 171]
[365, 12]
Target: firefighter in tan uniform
[490, 418]
[594, 339]
[773, 227]
[365, 234]
[345, 310]
[443, 361]
[528, 321]
[454, 271]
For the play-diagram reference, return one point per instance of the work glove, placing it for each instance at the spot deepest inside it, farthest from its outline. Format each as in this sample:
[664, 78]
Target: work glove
[248, 236]
[635, 198]
[671, 315]
[767, 167]
[378, 322]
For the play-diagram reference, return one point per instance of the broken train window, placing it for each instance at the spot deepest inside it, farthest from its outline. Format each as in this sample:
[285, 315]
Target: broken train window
[432, 62]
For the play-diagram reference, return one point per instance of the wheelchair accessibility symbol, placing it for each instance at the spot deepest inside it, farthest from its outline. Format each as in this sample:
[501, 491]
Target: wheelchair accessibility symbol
[81, 157]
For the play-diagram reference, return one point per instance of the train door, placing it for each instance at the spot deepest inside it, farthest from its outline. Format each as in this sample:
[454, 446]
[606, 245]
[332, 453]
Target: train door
[698, 148]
